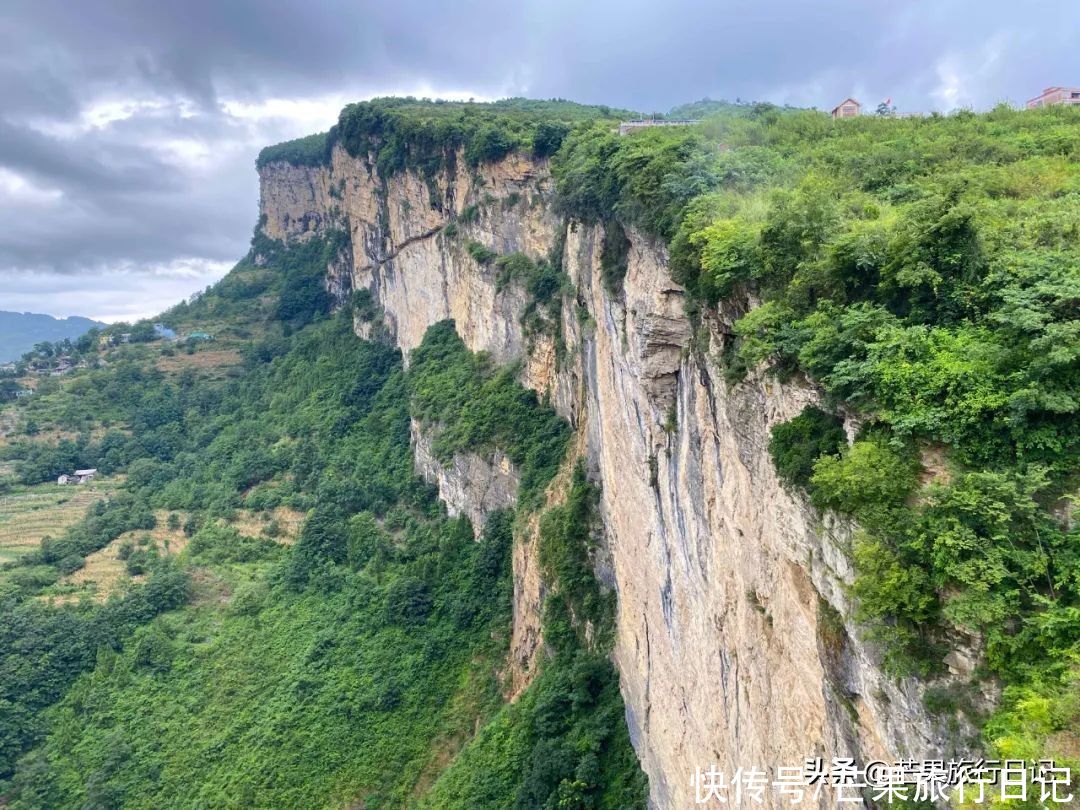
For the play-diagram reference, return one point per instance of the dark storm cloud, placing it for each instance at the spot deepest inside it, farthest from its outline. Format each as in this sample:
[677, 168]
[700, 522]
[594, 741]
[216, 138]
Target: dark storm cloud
[128, 128]
[99, 165]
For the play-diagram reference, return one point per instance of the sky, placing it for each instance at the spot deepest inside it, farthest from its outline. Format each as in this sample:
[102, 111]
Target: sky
[129, 128]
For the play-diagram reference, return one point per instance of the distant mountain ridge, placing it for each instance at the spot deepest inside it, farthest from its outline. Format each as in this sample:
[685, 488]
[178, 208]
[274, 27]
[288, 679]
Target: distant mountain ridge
[19, 331]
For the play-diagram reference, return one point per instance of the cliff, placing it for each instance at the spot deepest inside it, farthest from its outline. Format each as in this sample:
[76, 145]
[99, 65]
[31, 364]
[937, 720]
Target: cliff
[735, 643]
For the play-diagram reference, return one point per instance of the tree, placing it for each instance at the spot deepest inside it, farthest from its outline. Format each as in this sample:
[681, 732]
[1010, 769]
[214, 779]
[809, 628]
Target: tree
[8, 390]
[143, 332]
[549, 137]
[797, 444]
[88, 341]
[324, 539]
[408, 601]
[870, 478]
[728, 255]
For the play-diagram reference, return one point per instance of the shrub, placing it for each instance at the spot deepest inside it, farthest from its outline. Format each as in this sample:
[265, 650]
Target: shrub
[564, 553]
[797, 444]
[475, 406]
[614, 257]
[426, 136]
[216, 543]
[469, 214]
[729, 255]
[490, 144]
[481, 254]
[548, 137]
[304, 296]
[364, 305]
[311, 150]
[408, 601]
[541, 280]
[367, 541]
[869, 480]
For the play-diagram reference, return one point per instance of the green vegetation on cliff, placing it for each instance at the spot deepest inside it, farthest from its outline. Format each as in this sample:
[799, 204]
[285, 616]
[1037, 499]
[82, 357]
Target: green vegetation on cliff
[311, 150]
[924, 272]
[565, 742]
[353, 665]
[479, 407]
[425, 136]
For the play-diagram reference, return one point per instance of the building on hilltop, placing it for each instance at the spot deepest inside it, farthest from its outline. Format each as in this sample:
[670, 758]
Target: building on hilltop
[848, 108]
[1055, 95]
[78, 477]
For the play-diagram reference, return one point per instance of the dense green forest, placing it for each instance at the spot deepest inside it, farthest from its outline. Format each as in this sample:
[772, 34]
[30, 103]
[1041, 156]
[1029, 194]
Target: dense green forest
[923, 273]
[353, 664]
[426, 136]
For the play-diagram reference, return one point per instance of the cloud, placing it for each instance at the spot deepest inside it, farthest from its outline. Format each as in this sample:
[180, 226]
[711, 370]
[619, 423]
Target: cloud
[115, 295]
[965, 77]
[129, 130]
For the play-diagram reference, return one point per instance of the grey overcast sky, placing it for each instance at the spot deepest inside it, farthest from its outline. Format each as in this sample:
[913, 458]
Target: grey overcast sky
[129, 128]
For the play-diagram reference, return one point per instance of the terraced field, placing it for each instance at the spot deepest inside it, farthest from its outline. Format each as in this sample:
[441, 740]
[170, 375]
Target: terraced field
[28, 514]
[105, 571]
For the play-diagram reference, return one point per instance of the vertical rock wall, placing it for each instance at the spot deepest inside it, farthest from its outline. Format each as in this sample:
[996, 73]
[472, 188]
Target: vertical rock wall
[733, 644]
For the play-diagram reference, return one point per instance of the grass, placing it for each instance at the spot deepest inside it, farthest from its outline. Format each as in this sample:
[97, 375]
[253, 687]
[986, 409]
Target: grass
[49, 434]
[105, 572]
[28, 514]
[254, 524]
[204, 360]
[9, 423]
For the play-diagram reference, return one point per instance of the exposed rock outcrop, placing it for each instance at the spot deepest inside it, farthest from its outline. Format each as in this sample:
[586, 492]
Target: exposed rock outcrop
[734, 640]
[469, 484]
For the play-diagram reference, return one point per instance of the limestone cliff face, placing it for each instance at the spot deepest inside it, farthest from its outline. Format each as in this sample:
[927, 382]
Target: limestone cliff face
[734, 640]
[469, 484]
[295, 202]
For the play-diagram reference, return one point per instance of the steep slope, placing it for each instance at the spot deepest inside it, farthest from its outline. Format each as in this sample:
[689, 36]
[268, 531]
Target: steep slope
[345, 659]
[773, 419]
[735, 639]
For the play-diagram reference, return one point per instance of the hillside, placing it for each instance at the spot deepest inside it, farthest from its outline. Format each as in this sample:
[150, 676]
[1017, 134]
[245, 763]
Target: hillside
[537, 466]
[19, 331]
